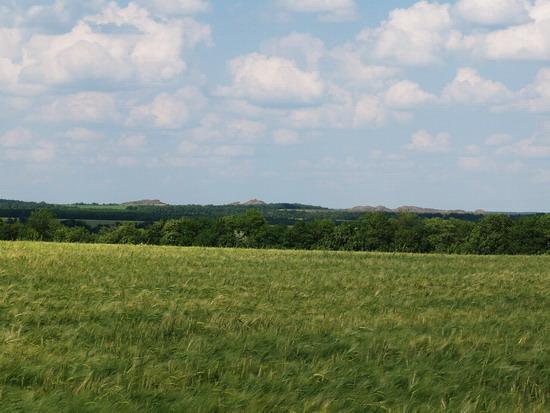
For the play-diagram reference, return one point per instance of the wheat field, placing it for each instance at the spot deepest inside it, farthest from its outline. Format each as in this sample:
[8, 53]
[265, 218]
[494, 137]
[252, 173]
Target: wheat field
[103, 328]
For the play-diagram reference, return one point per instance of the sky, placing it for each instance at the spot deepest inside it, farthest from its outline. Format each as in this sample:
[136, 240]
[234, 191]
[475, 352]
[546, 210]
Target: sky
[336, 103]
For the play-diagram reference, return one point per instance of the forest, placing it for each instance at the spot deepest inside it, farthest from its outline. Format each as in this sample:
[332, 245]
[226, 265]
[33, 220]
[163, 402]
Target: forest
[372, 231]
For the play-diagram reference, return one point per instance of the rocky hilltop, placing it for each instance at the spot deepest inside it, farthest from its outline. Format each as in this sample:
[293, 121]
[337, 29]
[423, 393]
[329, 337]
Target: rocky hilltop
[154, 202]
[251, 202]
[415, 209]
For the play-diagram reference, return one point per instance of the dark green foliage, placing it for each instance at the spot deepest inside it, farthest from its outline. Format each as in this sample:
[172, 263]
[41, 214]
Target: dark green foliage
[44, 223]
[409, 233]
[491, 235]
[373, 231]
[446, 235]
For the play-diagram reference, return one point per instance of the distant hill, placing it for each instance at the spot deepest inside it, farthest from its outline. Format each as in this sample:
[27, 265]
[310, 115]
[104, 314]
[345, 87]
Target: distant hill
[415, 209]
[153, 202]
[251, 202]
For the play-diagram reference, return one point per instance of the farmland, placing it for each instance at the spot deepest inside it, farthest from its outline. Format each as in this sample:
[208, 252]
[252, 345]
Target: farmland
[149, 328]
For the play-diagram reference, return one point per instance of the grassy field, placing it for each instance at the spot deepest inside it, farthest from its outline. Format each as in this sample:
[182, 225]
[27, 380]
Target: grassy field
[111, 328]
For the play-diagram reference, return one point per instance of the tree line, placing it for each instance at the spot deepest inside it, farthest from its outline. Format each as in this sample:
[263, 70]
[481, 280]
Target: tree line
[373, 231]
[278, 213]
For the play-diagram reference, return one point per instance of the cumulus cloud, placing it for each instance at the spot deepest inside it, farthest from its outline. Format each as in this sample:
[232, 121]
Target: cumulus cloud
[413, 36]
[214, 128]
[225, 151]
[233, 151]
[83, 134]
[535, 97]
[132, 142]
[363, 111]
[82, 107]
[175, 7]
[527, 41]
[16, 137]
[370, 111]
[492, 12]
[405, 94]
[498, 139]
[335, 116]
[329, 10]
[272, 80]
[482, 164]
[302, 48]
[285, 137]
[141, 48]
[422, 141]
[468, 87]
[353, 72]
[168, 111]
[165, 111]
[526, 148]
[37, 152]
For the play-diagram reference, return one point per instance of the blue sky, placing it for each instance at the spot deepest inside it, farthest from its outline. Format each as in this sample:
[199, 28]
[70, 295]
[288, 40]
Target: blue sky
[328, 102]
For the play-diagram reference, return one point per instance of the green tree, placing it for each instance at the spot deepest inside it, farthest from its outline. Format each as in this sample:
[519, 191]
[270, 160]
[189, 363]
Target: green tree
[446, 235]
[375, 232]
[491, 235]
[44, 223]
[72, 234]
[244, 230]
[305, 235]
[408, 235]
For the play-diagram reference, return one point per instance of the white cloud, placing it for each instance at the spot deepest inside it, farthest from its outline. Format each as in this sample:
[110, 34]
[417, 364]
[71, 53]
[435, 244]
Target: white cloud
[244, 131]
[16, 137]
[352, 72]
[171, 7]
[165, 111]
[302, 48]
[405, 94]
[528, 41]
[336, 116]
[371, 111]
[126, 161]
[285, 137]
[141, 49]
[498, 139]
[39, 152]
[233, 151]
[190, 148]
[225, 151]
[364, 111]
[481, 164]
[472, 149]
[132, 142]
[470, 88]
[168, 111]
[272, 80]
[82, 107]
[413, 36]
[216, 129]
[535, 98]
[10, 43]
[333, 10]
[492, 12]
[422, 141]
[83, 134]
[526, 148]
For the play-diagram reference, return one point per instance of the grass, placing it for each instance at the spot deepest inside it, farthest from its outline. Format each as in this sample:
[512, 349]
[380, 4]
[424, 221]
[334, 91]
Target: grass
[105, 328]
